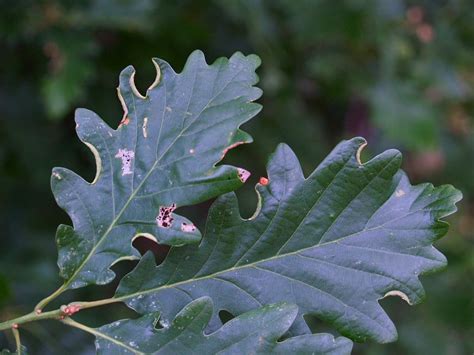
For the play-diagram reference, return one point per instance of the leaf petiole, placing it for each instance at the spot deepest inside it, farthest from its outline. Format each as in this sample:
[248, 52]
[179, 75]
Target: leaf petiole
[41, 304]
[98, 303]
[16, 334]
[57, 314]
[31, 317]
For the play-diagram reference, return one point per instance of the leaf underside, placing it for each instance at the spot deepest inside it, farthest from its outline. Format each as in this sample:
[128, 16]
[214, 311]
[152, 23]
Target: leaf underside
[333, 244]
[255, 332]
[162, 156]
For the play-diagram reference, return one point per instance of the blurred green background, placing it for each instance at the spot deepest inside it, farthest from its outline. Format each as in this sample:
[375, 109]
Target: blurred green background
[400, 73]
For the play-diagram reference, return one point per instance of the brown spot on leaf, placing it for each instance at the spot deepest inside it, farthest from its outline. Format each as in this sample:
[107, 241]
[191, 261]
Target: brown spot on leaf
[144, 127]
[243, 174]
[188, 228]
[165, 216]
[57, 175]
[127, 157]
[399, 193]
[125, 121]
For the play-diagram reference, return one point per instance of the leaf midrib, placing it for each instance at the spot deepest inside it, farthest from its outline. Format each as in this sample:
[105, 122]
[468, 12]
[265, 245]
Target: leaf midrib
[253, 264]
[109, 229]
[278, 255]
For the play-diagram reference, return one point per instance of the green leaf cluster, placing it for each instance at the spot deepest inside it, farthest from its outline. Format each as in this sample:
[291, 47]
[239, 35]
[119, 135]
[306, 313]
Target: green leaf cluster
[330, 245]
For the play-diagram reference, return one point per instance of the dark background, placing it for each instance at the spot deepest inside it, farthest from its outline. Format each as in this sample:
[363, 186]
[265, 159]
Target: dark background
[399, 73]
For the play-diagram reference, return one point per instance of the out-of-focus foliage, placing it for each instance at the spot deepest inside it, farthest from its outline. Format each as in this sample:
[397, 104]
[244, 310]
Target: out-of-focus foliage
[400, 73]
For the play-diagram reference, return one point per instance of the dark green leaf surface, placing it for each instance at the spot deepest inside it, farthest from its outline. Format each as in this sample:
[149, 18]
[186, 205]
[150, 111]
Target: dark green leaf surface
[334, 244]
[162, 156]
[255, 332]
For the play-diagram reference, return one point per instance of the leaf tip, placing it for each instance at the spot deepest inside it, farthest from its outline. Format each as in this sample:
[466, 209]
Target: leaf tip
[255, 59]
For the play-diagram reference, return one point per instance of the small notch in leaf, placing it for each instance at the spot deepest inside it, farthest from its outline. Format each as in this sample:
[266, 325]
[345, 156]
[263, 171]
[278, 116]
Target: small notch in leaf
[232, 146]
[225, 316]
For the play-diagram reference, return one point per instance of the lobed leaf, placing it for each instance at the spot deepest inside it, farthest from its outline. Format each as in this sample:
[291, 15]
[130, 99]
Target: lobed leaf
[161, 157]
[334, 244]
[255, 332]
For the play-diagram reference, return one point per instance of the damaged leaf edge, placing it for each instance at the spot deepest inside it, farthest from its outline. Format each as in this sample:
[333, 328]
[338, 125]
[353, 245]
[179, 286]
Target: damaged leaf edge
[247, 138]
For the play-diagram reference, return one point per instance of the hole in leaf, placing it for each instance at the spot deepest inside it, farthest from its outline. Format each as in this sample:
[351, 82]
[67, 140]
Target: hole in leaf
[316, 325]
[395, 307]
[143, 73]
[197, 214]
[143, 244]
[158, 325]
[225, 316]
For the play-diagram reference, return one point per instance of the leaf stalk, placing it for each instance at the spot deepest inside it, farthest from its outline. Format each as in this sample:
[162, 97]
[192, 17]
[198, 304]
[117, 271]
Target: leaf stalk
[16, 335]
[46, 300]
[31, 317]
[61, 313]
